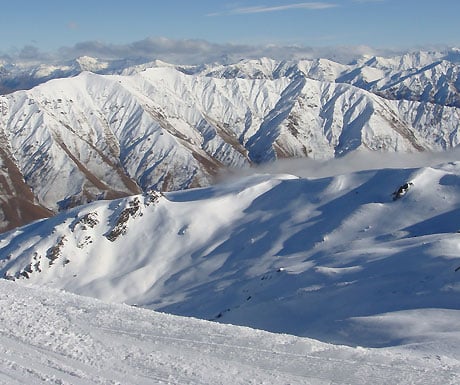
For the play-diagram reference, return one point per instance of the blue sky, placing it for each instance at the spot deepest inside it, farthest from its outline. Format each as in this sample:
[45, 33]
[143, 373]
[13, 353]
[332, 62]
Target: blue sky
[51, 24]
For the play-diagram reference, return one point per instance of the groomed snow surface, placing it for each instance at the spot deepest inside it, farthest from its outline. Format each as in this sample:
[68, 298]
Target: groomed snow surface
[52, 337]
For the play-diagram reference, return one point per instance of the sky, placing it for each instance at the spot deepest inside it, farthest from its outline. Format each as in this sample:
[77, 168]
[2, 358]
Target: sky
[31, 27]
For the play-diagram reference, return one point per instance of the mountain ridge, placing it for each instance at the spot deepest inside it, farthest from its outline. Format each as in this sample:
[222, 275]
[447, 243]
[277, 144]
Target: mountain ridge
[311, 254]
[170, 127]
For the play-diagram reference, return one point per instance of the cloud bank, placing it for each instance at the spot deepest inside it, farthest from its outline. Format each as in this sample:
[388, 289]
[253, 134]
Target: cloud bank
[354, 162]
[192, 51]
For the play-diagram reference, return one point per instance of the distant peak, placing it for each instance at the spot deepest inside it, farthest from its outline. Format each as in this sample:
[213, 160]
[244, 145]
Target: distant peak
[88, 63]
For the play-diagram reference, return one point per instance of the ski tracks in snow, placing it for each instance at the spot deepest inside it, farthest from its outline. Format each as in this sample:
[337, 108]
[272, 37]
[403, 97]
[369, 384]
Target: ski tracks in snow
[52, 337]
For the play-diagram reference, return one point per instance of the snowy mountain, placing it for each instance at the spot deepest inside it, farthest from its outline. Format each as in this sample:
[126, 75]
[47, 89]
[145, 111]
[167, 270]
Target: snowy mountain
[166, 127]
[367, 258]
[52, 337]
[23, 76]
[363, 258]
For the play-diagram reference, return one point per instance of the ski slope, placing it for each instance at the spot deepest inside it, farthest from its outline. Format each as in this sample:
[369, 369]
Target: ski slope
[52, 337]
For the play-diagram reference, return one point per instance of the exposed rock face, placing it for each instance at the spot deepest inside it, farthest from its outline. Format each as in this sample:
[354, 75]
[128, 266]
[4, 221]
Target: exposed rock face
[402, 190]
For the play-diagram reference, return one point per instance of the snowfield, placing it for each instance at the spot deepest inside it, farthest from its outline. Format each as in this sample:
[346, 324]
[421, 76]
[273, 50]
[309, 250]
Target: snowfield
[366, 258]
[52, 337]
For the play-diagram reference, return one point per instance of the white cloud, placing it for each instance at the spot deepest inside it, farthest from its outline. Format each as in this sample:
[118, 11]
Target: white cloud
[278, 8]
[193, 51]
[262, 9]
[201, 51]
[354, 162]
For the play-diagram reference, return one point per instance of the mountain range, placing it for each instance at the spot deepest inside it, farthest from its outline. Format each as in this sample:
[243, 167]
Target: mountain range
[123, 129]
[307, 198]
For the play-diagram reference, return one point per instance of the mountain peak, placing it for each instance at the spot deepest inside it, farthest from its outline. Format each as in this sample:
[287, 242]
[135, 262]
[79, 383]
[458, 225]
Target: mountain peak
[88, 63]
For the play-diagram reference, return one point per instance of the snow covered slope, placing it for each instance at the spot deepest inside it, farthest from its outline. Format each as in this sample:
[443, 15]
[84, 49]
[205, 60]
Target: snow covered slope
[51, 337]
[171, 127]
[366, 258]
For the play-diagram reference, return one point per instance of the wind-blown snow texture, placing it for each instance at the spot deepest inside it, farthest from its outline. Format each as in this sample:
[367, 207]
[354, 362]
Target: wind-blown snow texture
[369, 258]
[70, 141]
[51, 337]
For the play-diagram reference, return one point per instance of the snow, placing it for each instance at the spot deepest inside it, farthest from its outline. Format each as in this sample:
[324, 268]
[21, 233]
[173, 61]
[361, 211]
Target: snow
[49, 336]
[87, 63]
[332, 258]
[321, 252]
[171, 127]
